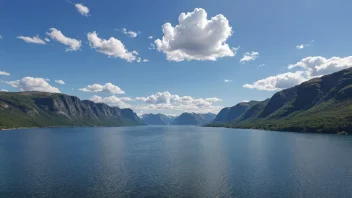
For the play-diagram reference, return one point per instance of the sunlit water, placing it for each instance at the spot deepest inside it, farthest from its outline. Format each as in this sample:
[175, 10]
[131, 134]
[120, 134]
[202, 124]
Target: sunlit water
[173, 162]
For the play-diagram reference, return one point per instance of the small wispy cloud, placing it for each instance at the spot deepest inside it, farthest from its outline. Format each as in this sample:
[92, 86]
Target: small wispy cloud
[227, 81]
[83, 10]
[34, 40]
[61, 82]
[302, 46]
[130, 33]
[249, 56]
[57, 35]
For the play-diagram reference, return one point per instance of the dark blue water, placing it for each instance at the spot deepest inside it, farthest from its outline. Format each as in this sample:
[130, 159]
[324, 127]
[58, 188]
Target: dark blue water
[173, 162]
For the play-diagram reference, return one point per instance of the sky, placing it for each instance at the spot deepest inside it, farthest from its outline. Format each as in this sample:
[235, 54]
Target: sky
[171, 56]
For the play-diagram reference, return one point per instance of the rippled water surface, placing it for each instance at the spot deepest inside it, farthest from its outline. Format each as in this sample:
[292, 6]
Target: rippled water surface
[173, 162]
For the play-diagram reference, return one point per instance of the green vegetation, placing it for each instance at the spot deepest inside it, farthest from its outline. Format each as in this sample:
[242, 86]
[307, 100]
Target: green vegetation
[321, 105]
[39, 109]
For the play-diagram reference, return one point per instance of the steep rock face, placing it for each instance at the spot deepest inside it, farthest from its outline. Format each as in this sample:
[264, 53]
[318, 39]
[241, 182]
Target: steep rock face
[40, 109]
[231, 113]
[194, 119]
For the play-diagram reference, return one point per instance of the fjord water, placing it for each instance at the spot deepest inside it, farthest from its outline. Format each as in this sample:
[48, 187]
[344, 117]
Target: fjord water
[173, 162]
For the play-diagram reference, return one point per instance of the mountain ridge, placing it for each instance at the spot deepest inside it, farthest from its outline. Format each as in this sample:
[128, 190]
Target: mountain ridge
[194, 119]
[157, 119]
[43, 109]
[320, 105]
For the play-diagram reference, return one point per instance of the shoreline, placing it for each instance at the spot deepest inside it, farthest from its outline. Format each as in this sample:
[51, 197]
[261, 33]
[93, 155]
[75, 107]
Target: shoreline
[283, 130]
[11, 129]
[334, 133]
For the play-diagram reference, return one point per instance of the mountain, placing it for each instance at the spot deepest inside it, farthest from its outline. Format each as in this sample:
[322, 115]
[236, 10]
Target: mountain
[41, 109]
[157, 119]
[231, 113]
[194, 119]
[322, 105]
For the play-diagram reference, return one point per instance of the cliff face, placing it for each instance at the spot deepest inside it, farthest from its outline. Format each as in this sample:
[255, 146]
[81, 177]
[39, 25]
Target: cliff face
[40, 109]
[319, 105]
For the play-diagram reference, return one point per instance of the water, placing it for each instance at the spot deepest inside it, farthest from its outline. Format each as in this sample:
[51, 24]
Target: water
[173, 162]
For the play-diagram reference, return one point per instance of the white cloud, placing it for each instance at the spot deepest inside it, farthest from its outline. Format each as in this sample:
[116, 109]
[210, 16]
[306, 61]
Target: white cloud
[112, 47]
[61, 82]
[196, 37]
[261, 65]
[150, 37]
[249, 56]
[167, 101]
[212, 100]
[46, 39]
[312, 67]
[33, 84]
[139, 59]
[35, 39]
[152, 46]
[57, 35]
[140, 114]
[47, 79]
[1, 37]
[83, 10]
[318, 66]
[130, 33]
[2, 73]
[112, 101]
[4, 90]
[226, 81]
[281, 81]
[108, 87]
[302, 46]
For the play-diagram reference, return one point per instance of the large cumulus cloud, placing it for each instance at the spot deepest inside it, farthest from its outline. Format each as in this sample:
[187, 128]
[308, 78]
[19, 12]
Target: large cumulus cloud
[196, 37]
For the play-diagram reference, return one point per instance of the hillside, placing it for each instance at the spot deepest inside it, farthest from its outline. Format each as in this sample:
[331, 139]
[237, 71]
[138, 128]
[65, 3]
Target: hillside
[194, 119]
[41, 109]
[321, 105]
[157, 119]
[231, 113]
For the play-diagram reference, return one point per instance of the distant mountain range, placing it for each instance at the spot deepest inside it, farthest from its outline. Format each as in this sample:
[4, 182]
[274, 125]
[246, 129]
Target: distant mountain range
[183, 119]
[157, 119]
[41, 109]
[321, 105]
[194, 119]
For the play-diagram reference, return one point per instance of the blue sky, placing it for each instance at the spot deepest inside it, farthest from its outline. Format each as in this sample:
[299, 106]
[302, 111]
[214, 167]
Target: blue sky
[286, 43]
